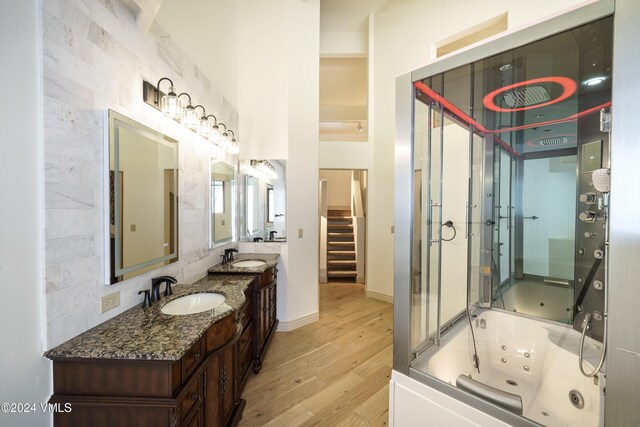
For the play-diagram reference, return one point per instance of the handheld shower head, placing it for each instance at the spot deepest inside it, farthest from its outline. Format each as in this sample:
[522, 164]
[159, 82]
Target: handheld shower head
[601, 180]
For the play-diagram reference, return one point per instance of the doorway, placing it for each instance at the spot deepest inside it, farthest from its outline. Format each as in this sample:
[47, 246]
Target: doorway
[343, 213]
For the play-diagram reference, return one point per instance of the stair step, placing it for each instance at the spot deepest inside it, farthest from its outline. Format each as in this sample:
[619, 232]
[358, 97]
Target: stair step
[342, 273]
[338, 212]
[341, 263]
[340, 243]
[341, 235]
[346, 255]
[339, 227]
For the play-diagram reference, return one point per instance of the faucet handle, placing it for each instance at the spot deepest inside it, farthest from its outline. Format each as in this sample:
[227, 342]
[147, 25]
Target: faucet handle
[147, 298]
[225, 259]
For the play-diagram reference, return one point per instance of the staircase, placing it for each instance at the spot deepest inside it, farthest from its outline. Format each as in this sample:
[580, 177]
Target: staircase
[341, 252]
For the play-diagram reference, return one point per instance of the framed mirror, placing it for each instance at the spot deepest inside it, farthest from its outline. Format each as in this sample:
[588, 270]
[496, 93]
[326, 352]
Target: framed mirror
[142, 187]
[223, 203]
[271, 210]
[253, 204]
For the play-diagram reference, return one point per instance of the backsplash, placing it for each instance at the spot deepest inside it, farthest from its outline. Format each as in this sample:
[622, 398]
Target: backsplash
[95, 59]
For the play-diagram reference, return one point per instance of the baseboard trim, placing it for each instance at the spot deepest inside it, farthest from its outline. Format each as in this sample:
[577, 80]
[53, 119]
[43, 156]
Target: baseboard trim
[379, 296]
[290, 325]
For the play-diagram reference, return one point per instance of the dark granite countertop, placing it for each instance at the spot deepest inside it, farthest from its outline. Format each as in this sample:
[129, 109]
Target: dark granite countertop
[149, 334]
[270, 259]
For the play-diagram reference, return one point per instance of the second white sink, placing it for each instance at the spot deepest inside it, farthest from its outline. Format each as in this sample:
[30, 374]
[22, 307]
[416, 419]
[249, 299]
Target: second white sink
[194, 303]
[249, 263]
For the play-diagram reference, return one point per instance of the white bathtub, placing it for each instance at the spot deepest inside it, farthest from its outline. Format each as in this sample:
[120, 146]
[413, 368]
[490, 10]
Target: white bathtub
[540, 357]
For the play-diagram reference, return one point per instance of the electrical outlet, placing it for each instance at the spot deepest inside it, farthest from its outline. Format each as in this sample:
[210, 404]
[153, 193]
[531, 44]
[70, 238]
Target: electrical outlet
[110, 301]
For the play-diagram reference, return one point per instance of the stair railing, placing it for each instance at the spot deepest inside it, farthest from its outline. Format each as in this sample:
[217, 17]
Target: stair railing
[323, 230]
[359, 224]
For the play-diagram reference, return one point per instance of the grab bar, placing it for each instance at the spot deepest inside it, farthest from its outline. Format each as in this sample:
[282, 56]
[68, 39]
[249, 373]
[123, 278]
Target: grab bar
[509, 401]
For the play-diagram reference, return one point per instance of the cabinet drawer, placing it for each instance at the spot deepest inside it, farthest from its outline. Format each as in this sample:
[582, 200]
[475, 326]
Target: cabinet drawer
[222, 333]
[245, 338]
[191, 399]
[192, 359]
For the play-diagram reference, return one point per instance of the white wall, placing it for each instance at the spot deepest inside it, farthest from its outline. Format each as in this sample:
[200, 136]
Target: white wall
[263, 68]
[302, 161]
[95, 58]
[207, 26]
[278, 102]
[26, 375]
[338, 188]
[401, 39]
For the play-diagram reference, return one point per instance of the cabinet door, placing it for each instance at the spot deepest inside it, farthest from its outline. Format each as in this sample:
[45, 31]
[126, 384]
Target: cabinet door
[227, 382]
[212, 393]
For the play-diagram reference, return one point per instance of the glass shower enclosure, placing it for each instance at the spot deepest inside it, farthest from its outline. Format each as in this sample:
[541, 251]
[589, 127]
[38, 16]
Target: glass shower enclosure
[503, 258]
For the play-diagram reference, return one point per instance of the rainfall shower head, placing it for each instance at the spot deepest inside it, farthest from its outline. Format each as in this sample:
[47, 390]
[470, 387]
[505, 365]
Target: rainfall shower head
[602, 180]
[526, 96]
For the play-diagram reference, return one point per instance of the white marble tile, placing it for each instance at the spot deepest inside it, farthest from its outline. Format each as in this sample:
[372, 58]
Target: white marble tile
[64, 249]
[52, 223]
[67, 301]
[50, 56]
[167, 49]
[84, 272]
[74, 324]
[67, 91]
[74, 17]
[68, 196]
[80, 221]
[61, 34]
[53, 278]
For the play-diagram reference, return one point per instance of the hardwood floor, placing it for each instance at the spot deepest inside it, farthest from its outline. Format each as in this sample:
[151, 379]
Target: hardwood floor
[334, 372]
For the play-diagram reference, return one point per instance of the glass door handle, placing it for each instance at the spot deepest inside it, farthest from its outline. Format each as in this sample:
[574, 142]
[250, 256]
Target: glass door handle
[531, 217]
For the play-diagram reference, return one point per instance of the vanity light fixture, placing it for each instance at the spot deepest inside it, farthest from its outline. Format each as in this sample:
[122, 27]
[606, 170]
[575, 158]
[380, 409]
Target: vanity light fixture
[189, 116]
[170, 103]
[225, 141]
[172, 106]
[234, 148]
[203, 128]
[265, 168]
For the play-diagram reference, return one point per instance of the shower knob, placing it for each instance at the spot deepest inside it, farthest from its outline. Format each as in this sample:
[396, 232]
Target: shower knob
[587, 216]
[588, 198]
[598, 254]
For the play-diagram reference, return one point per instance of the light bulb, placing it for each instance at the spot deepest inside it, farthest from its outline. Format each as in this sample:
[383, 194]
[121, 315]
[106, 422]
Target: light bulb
[214, 134]
[234, 148]
[225, 140]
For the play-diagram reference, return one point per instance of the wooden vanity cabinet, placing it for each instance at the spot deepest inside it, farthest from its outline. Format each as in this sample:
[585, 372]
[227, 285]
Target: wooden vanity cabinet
[196, 391]
[265, 314]
[262, 322]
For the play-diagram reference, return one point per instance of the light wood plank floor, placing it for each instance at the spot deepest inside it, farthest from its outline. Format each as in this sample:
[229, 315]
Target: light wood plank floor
[334, 372]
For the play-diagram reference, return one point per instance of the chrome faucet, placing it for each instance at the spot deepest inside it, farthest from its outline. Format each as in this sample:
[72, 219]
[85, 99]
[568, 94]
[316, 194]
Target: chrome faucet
[272, 234]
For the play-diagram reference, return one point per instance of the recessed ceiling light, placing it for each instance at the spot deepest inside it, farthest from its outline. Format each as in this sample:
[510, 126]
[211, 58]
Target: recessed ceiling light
[546, 130]
[594, 81]
[506, 67]
[538, 116]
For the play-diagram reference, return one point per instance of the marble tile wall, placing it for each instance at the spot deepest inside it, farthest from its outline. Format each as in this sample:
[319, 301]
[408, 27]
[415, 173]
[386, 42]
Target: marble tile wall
[95, 59]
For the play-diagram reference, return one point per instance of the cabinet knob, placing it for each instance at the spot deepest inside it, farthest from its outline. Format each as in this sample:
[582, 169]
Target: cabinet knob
[196, 355]
[194, 396]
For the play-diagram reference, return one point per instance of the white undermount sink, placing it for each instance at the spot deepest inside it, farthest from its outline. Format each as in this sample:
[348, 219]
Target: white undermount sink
[194, 303]
[249, 263]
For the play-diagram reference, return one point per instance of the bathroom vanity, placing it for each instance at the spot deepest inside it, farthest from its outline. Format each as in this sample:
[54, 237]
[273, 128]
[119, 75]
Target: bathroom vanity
[147, 368]
[263, 299]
